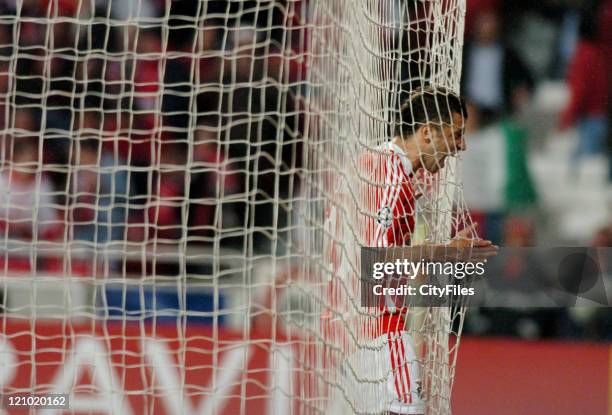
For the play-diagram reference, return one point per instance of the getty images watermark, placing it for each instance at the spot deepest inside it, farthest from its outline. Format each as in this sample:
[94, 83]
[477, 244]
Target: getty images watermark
[406, 271]
[516, 277]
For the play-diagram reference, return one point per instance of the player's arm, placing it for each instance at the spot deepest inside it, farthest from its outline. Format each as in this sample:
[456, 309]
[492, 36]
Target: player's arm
[468, 246]
[465, 246]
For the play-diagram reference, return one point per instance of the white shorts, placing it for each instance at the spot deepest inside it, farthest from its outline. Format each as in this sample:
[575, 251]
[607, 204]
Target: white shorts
[383, 376]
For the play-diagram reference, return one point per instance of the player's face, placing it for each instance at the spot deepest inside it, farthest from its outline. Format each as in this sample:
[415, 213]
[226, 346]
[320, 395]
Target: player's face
[445, 141]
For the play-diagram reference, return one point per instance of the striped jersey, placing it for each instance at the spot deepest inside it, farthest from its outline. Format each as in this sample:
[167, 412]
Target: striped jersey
[388, 197]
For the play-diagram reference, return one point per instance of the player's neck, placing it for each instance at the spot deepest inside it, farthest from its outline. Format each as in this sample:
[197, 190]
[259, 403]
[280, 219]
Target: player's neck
[411, 150]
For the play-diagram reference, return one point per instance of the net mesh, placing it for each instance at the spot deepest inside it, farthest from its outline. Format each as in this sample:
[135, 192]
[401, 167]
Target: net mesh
[168, 169]
[366, 60]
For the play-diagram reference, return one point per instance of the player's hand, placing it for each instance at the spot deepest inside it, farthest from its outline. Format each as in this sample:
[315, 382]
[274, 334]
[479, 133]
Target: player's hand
[469, 247]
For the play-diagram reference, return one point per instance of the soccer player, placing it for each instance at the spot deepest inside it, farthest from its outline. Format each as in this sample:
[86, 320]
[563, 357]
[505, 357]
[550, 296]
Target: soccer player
[431, 129]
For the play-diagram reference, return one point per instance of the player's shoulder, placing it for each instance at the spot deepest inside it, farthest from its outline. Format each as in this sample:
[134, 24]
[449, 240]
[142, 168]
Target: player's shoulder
[397, 159]
[387, 159]
[382, 154]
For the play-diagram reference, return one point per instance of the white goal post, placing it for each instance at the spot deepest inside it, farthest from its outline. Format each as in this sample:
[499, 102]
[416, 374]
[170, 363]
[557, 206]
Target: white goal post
[166, 174]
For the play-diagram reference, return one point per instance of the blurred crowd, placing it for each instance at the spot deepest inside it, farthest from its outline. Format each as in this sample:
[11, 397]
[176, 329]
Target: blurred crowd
[105, 100]
[512, 48]
[104, 108]
[99, 108]
[501, 75]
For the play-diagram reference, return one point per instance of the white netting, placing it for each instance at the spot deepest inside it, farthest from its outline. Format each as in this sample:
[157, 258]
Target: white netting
[166, 173]
[366, 59]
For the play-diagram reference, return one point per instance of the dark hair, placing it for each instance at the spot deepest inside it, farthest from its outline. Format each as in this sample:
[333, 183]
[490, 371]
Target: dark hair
[428, 104]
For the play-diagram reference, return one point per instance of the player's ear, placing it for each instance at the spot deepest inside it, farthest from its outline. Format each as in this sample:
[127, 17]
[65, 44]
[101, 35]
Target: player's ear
[427, 133]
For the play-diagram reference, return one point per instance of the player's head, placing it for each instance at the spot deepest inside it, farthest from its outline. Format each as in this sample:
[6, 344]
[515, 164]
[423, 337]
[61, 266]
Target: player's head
[434, 118]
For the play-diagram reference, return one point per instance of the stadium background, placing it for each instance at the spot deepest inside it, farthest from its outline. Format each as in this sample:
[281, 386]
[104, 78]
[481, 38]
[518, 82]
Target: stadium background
[537, 76]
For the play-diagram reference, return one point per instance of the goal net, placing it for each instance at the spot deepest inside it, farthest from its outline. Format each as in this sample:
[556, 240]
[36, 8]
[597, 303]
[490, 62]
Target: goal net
[167, 172]
[366, 60]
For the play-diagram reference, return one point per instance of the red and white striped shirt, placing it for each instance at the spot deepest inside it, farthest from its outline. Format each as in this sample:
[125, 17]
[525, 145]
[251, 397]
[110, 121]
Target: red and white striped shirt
[381, 213]
[388, 197]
